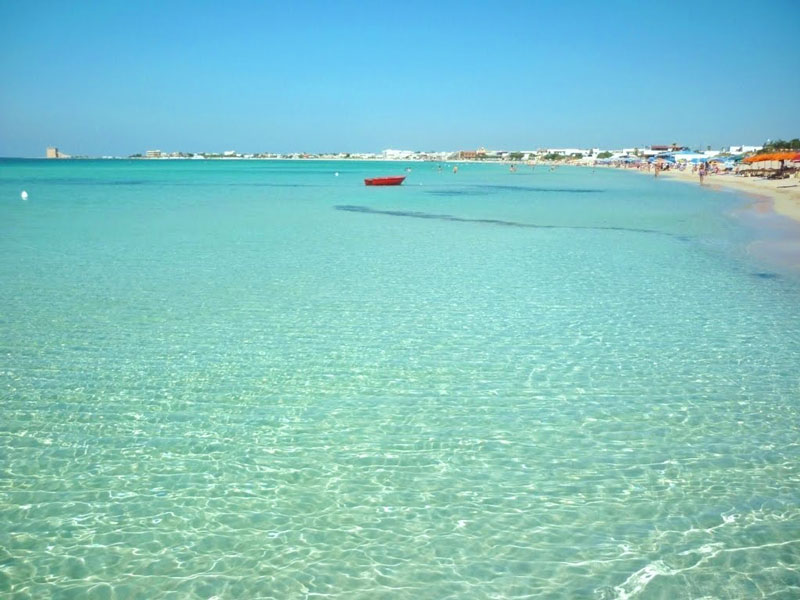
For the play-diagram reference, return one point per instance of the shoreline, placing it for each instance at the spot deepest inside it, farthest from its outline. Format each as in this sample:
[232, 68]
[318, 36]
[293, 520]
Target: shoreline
[783, 194]
[774, 198]
[775, 207]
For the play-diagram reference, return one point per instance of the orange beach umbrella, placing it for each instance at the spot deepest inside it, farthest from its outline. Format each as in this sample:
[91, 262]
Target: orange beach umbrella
[773, 156]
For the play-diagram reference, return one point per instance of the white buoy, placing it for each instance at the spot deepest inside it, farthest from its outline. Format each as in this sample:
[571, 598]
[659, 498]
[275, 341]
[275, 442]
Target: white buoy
[24, 195]
[336, 174]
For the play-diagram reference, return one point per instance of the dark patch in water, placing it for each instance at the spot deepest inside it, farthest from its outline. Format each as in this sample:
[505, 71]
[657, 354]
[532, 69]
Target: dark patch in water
[525, 188]
[485, 190]
[422, 215]
[279, 185]
[240, 184]
[86, 181]
[766, 275]
[456, 193]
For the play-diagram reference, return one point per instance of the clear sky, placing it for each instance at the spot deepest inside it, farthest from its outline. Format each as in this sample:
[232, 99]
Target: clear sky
[119, 77]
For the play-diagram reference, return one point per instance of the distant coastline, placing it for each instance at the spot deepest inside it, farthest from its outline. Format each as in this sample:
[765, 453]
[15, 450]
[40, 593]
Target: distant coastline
[581, 156]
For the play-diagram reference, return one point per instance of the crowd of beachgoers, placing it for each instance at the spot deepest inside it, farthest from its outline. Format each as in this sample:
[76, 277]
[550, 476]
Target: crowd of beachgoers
[780, 165]
[766, 169]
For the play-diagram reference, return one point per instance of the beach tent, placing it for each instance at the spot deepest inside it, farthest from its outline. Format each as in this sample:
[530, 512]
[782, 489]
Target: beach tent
[687, 156]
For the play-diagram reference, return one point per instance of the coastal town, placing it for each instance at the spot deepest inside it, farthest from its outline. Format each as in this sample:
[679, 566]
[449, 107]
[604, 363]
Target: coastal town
[571, 155]
[775, 159]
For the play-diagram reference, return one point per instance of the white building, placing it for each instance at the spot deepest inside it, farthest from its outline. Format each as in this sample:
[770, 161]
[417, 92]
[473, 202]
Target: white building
[390, 154]
[566, 151]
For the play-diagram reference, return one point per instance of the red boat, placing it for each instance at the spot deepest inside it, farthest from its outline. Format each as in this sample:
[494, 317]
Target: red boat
[385, 180]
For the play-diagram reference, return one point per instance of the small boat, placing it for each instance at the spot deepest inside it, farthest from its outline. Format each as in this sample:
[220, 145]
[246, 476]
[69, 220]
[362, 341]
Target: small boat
[385, 180]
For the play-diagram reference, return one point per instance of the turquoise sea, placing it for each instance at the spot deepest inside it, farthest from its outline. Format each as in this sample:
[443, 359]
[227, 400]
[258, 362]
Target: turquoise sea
[258, 379]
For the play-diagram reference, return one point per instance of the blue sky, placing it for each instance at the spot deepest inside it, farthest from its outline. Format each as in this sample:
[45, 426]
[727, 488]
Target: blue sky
[117, 78]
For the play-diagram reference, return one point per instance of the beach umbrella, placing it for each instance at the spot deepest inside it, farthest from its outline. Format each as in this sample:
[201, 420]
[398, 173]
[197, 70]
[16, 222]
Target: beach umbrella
[794, 156]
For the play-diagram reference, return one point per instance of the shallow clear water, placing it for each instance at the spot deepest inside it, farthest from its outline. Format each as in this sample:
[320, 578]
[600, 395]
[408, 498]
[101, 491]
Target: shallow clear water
[259, 379]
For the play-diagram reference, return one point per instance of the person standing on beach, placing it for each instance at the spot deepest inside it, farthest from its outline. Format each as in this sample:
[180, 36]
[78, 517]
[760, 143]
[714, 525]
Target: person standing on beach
[702, 172]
